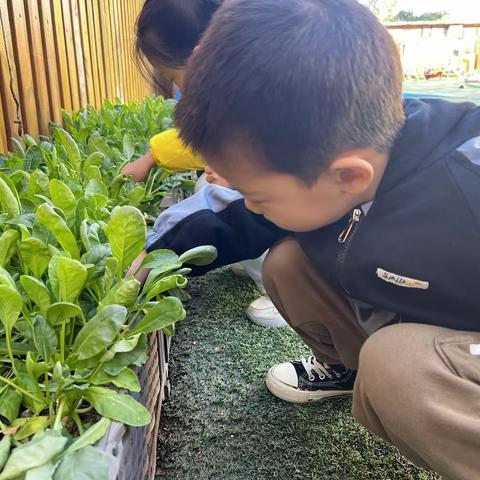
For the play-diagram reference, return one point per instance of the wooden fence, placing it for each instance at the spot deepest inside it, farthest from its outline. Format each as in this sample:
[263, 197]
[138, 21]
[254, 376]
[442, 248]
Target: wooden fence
[66, 54]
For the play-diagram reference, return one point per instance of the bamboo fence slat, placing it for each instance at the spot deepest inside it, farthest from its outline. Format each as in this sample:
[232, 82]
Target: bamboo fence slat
[64, 54]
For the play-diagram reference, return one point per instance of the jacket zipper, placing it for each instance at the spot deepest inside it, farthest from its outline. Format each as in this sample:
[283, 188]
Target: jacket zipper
[345, 240]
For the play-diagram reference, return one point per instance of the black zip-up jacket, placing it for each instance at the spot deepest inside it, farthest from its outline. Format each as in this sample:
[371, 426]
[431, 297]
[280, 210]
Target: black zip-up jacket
[417, 251]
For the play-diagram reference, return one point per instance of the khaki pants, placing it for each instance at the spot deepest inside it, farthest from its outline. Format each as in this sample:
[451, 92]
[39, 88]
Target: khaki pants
[418, 386]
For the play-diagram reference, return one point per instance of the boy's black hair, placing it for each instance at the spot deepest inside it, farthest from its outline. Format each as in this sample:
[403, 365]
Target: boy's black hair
[167, 31]
[303, 80]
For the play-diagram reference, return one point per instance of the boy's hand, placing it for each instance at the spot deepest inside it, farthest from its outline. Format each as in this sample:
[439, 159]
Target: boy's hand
[214, 178]
[140, 168]
[142, 274]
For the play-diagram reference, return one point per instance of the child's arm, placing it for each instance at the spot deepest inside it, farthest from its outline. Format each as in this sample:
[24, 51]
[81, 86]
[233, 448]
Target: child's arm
[214, 216]
[140, 275]
[140, 168]
[167, 151]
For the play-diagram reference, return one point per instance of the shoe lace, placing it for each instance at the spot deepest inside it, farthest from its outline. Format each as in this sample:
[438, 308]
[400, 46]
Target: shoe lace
[322, 369]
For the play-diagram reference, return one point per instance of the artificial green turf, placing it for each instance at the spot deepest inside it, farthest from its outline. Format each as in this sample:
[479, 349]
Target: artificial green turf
[220, 421]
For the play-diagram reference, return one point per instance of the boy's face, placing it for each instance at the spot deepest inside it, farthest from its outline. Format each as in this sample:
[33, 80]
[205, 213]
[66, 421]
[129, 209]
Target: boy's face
[285, 200]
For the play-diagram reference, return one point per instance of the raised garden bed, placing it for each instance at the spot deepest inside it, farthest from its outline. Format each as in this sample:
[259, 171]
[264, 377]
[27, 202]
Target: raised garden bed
[133, 453]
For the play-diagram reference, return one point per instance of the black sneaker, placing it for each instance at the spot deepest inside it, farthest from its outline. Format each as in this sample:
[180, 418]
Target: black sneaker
[309, 380]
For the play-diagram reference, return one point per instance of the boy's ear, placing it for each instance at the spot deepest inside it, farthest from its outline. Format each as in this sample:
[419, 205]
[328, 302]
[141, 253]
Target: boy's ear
[352, 174]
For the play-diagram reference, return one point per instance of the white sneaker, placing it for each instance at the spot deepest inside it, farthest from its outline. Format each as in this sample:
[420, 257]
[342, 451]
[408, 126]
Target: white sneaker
[238, 269]
[262, 312]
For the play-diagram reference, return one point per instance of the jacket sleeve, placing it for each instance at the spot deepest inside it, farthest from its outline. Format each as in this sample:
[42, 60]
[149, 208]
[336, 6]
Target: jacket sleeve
[214, 216]
[171, 153]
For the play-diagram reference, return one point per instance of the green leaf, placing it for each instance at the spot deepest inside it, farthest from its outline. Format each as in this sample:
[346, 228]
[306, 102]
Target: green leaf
[136, 196]
[9, 201]
[35, 368]
[47, 217]
[199, 256]
[6, 278]
[92, 235]
[96, 256]
[93, 173]
[116, 406]
[97, 144]
[89, 463]
[165, 284]
[18, 147]
[11, 304]
[125, 356]
[35, 255]
[96, 159]
[116, 186]
[10, 401]
[34, 454]
[126, 379]
[165, 313]
[5, 445]
[44, 472]
[71, 276]
[63, 197]
[96, 188]
[161, 259]
[37, 292]
[8, 243]
[122, 346]
[44, 337]
[126, 233]
[111, 265]
[59, 312]
[123, 293]
[30, 384]
[99, 332]
[89, 437]
[33, 158]
[128, 146]
[64, 139]
[20, 349]
[32, 426]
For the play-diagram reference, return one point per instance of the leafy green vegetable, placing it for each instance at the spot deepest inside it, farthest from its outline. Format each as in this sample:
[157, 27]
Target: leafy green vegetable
[5, 445]
[73, 327]
[126, 233]
[35, 255]
[86, 464]
[47, 216]
[116, 406]
[89, 437]
[97, 334]
[165, 313]
[44, 337]
[8, 243]
[9, 198]
[34, 454]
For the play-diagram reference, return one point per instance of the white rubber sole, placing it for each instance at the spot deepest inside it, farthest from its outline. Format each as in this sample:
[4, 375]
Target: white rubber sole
[266, 322]
[238, 269]
[293, 395]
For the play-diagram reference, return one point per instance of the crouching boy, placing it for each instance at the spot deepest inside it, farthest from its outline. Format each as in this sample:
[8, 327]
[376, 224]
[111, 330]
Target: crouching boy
[373, 204]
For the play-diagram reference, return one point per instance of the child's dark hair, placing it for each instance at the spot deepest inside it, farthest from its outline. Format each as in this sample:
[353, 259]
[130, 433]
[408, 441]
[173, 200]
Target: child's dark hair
[303, 80]
[169, 30]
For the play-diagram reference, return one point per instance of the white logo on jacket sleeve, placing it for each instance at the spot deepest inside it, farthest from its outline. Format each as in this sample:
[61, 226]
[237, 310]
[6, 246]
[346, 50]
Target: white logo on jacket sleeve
[475, 349]
[401, 281]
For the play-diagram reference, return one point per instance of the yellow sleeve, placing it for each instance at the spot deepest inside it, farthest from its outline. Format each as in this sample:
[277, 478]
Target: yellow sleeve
[171, 153]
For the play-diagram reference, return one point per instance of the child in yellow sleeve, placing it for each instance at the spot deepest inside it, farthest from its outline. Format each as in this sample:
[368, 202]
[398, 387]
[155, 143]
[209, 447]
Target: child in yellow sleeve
[166, 151]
